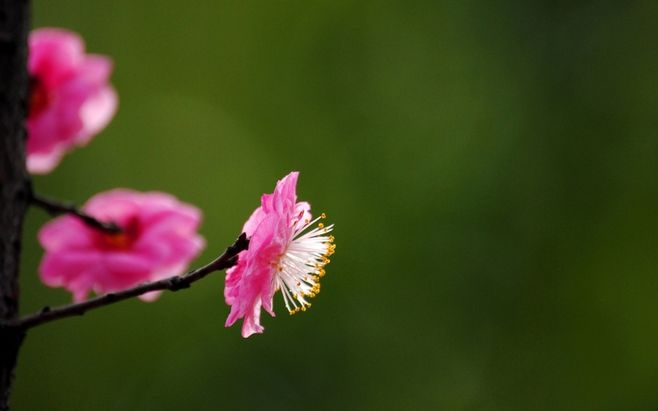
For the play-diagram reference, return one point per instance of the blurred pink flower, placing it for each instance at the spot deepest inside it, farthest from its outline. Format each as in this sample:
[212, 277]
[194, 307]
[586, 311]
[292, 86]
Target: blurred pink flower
[284, 253]
[158, 240]
[71, 99]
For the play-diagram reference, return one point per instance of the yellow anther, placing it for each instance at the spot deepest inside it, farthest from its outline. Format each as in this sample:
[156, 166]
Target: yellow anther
[320, 225]
[323, 215]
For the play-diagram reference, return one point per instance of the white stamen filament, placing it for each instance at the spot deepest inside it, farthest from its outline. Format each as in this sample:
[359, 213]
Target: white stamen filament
[302, 264]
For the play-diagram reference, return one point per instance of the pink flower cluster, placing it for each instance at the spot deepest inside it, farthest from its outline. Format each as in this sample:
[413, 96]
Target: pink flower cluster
[287, 252]
[158, 240]
[71, 99]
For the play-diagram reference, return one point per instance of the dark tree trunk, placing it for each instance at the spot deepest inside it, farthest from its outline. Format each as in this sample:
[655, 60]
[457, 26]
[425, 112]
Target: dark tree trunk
[14, 180]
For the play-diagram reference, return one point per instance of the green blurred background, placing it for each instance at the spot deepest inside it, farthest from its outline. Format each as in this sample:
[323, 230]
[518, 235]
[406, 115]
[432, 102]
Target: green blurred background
[491, 168]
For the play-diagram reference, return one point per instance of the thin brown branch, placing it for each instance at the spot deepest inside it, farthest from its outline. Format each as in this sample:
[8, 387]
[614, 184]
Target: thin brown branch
[55, 208]
[228, 259]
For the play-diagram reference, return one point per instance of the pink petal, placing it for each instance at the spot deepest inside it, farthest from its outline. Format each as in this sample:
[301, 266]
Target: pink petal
[251, 323]
[284, 196]
[54, 54]
[96, 113]
[253, 221]
[66, 232]
[302, 214]
[123, 270]
[38, 163]
[118, 205]
[150, 297]
[57, 269]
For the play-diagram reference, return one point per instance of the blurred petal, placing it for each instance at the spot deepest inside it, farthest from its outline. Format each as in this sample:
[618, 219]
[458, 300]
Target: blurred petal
[149, 248]
[71, 99]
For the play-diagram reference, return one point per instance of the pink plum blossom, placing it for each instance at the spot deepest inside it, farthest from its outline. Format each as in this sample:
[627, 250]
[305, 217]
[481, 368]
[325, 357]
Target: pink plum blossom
[158, 240]
[286, 252]
[71, 99]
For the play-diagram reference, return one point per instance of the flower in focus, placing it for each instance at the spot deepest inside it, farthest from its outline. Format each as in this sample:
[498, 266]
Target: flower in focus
[287, 251]
[70, 98]
[158, 240]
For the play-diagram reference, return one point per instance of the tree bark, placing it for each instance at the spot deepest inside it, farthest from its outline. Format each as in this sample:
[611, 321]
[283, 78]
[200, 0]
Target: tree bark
[14, 180]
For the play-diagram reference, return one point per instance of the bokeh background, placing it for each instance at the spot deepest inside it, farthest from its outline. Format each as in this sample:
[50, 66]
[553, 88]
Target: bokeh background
[491, 168]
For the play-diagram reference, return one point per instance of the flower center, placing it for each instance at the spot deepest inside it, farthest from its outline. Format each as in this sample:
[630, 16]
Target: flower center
[117, 241]
[123, 240]
[39, 97]
[301, 266]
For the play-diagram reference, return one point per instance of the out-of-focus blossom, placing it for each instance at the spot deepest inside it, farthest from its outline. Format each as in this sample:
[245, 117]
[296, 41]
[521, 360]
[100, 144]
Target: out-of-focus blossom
[158, 239]
[70, 99]
[287, 252]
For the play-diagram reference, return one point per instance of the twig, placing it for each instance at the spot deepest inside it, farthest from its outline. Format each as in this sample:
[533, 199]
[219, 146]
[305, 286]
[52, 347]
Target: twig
[228, 259]
[54, 208]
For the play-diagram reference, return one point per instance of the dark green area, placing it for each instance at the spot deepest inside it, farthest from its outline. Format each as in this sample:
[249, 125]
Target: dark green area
[491, 168]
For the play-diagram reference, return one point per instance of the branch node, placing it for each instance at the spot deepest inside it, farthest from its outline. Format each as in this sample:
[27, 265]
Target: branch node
[241, 244]
[178, 283]
[231, 262]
